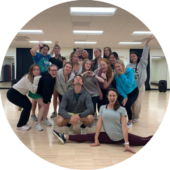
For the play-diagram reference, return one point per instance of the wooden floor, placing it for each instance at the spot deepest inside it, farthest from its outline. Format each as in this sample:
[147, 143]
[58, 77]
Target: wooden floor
[81, 155]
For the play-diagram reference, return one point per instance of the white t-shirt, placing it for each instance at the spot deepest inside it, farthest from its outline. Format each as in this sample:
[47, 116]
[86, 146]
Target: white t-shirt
[112, 122]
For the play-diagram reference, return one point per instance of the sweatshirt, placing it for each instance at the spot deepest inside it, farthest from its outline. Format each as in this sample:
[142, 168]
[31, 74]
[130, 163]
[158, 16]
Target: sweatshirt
[140, 73]
[46, 86]
[24, 85]
[126, 83]
[61, 86]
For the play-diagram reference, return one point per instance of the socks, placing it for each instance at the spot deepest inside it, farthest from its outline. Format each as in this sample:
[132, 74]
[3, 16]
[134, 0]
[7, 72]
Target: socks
[83, 126]
[68, 124]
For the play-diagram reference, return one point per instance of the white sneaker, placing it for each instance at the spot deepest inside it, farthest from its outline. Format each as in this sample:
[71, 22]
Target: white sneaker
[70, 130]
[129, 125]
[46, 122]
[29, 126]
[38, 127]
[83, 131]
[24, 128]
[135, 120]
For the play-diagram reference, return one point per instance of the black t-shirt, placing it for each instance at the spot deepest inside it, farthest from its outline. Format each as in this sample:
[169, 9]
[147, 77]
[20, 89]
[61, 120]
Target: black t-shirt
[57, 62]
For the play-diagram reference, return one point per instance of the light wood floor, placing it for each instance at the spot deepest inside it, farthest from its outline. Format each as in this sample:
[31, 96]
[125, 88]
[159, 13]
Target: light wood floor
[81, 155]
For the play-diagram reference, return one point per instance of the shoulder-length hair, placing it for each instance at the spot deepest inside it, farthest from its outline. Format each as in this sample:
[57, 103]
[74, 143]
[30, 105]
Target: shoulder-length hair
[122, 63]
[83, 65]
[110, 51]
[30, 74]
[117, 104]
[72, 54]
[109, 70]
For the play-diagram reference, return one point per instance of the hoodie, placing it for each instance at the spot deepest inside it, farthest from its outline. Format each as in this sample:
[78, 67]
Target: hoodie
[126, 83]
[46, 86]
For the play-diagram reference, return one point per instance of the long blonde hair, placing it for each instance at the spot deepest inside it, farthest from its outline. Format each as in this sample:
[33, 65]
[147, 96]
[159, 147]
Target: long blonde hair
[30, 75]
[122, 63]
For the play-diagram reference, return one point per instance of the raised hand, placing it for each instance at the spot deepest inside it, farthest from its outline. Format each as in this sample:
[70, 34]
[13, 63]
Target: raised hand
[128, 148]
[41, 43]
[56, 42]
[149, 39]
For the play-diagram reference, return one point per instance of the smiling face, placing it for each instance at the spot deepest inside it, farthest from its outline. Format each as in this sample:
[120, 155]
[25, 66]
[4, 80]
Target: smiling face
[36, 71]
[97, 53]
[78, 80]
[112, 59]
[87, 65]
[134, 58]
[67, 69]
[79, 51]
[57, 50]
[103, 66]
[118, 67]
[106, 52]
[112, 97]
[75, 58]
[53, 71]
[44, 51]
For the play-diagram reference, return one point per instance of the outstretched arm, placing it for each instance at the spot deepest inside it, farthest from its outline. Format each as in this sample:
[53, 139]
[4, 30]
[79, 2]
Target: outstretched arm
[144, 59]
[34, 49]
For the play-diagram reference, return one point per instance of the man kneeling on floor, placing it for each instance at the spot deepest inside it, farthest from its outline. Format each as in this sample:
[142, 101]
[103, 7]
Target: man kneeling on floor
[76, 107]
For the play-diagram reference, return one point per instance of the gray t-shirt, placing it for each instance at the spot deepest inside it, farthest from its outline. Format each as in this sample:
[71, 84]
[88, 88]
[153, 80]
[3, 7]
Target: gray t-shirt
[140, 72]
[112, 122]
[90, 85]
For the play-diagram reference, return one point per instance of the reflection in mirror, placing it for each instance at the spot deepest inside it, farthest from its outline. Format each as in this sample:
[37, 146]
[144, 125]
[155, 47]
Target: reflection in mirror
[7, 72]
[159, 71]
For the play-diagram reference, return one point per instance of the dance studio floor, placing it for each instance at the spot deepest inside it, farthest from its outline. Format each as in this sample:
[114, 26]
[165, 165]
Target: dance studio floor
[81, 155]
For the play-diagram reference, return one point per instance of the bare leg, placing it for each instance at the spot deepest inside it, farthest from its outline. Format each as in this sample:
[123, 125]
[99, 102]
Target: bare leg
[55, 96]
[88, 120]
[34, 104]
[61, 121]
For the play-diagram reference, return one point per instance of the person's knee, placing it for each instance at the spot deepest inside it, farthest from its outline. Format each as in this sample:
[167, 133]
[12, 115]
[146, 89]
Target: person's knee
[59, 121]
[90, 118]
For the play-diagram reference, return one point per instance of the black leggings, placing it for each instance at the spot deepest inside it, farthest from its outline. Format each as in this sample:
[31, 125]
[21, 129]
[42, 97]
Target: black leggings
[22, 101]
[131, 99]
[105, 100]
[95, 100]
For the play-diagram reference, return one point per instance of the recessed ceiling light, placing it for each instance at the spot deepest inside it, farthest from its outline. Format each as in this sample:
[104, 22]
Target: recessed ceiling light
[129, 43]
[141, 33]
[95, 11]
[86, 32]
[30, 32]
[83, 42]
[47, 42]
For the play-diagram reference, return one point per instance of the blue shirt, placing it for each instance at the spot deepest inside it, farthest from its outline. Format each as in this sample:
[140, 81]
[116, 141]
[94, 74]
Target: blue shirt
[42, 61]
[126, 83]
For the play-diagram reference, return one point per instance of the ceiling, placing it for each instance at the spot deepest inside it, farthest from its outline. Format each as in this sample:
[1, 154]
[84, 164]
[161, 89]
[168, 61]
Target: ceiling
[58, 25]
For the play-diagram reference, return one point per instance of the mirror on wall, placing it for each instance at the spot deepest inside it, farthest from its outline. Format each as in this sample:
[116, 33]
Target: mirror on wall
[7, 72]
[158, 71]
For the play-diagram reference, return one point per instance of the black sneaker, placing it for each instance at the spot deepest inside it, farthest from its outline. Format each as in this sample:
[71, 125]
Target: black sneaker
[60, 136]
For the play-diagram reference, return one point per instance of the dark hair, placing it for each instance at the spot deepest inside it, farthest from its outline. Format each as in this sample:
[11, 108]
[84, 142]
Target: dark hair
[115, 55]
[110, 51]
[44, 45]
[79, 76]
[134, 52]
[117, 104]
[52, 65]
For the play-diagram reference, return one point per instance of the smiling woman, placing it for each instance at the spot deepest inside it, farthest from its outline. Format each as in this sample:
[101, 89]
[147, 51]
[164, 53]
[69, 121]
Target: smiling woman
[57, 23]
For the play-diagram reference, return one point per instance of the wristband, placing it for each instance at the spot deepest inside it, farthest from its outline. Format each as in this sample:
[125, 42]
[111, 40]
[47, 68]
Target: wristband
[105, 79]
[126, 143]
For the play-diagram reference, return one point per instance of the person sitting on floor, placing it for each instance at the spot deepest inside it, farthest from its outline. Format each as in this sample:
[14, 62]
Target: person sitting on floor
[113, 118]
[76, 106]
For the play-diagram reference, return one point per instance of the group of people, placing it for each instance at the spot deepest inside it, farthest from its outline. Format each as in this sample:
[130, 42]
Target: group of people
[82, 86]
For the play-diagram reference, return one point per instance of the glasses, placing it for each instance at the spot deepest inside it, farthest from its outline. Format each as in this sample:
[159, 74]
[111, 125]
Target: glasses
[53, 70]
